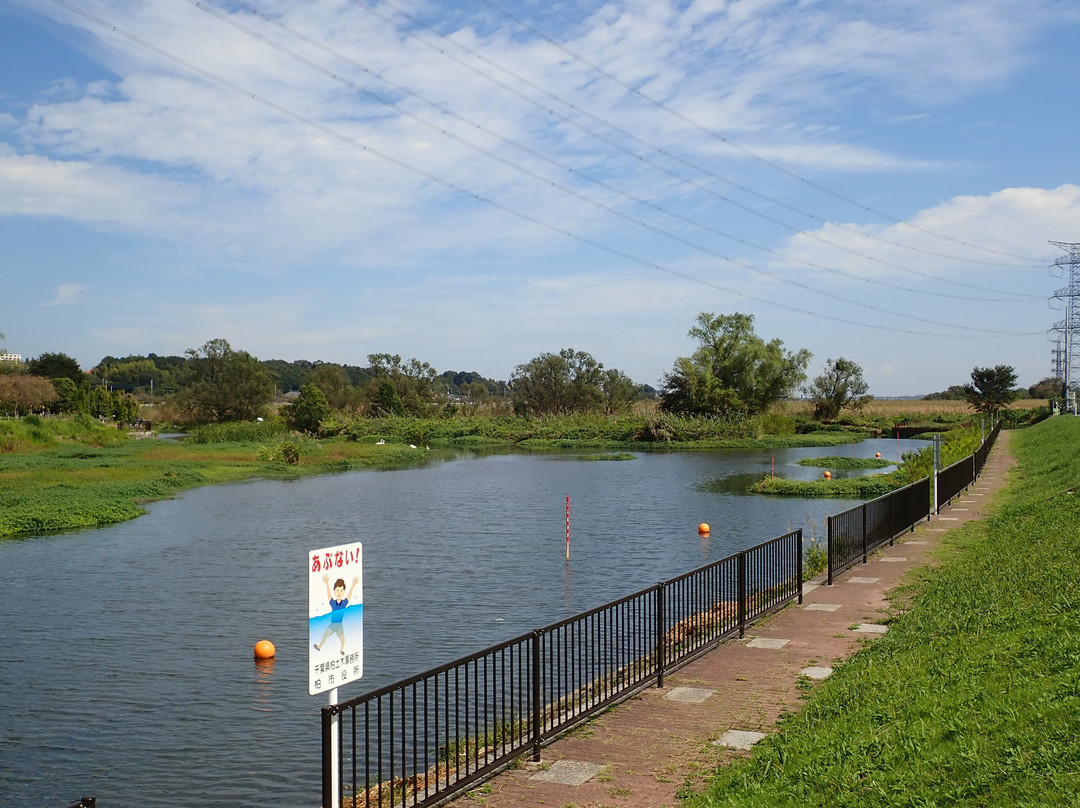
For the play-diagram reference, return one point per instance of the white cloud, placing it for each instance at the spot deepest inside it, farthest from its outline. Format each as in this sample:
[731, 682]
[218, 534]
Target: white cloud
[990, 230]
[67, 293]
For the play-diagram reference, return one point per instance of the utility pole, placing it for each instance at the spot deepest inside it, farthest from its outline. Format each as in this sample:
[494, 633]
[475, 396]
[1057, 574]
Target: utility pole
[1065, 358]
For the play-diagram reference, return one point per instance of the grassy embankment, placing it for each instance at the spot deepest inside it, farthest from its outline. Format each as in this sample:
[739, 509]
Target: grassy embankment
[973, 697]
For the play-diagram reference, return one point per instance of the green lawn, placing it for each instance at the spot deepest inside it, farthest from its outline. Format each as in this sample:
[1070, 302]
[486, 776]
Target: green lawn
[973, 697]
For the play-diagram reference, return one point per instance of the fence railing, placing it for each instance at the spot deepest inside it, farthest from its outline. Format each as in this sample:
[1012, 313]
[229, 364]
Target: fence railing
[855, 533]
[983, 451]
[953, 480]
[423, 739]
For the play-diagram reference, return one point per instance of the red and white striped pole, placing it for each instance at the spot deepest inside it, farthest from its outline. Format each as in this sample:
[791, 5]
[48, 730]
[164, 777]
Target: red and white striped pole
[567, 527]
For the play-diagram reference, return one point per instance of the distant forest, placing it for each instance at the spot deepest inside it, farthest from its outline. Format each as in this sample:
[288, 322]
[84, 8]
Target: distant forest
[136, 374]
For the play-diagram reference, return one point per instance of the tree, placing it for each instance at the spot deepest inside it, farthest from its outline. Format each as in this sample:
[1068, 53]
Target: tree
[333, 382]
[11, 367]
[386, 401]
[68, 397]
[413, 380]
[559, 384]
[1050, 387]
[308, 411]
[733, 369]
[125, 407]
[955, 392]
[55, 366]
[841, 385]
[223, 384]
[991, 388]
[22, 394]
[619, 391]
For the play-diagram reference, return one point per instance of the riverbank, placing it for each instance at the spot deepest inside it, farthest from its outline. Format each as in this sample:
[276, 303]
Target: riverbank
[58, 475]
[102, 478]
[971, 698]
[941, 673]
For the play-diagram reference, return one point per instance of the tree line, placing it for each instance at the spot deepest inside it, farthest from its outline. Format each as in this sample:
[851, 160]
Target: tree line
[731, 371]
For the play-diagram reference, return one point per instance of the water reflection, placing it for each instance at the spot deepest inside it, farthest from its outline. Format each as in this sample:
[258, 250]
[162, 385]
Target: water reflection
[264, 696]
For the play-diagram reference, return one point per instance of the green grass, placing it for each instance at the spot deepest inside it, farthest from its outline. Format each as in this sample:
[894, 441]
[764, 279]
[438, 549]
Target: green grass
[973, 697]
[839, 463]
[62, 480]
[868, 487]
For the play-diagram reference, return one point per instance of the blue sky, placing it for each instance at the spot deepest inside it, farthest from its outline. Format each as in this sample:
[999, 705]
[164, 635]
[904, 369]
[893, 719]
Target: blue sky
[476, 184]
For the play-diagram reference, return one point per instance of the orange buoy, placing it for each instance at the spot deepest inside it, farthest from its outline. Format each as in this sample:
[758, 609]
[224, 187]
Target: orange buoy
[828, 475]
[703, 528]
[877, 455]
[264, 649]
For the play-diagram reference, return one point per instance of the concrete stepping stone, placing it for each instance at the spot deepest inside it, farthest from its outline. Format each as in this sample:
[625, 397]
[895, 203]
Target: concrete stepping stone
[817, 672]
[568, 772]
[893, 559]
[822, 607]
[739, 738]
[870, 628]
[689, 695]
[770, 643]
[856, 579]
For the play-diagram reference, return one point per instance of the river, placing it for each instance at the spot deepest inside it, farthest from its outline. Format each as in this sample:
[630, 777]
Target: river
[127, 668]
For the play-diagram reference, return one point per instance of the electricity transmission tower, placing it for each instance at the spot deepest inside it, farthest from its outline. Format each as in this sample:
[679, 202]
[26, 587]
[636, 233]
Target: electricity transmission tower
[1065, 357]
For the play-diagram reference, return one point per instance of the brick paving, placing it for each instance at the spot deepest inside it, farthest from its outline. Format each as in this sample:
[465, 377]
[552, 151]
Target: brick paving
[644, 751]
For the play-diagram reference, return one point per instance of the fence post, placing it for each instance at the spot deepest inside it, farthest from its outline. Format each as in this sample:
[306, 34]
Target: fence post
[660, 634]
[829, 546]
[937, 468]
[742, 594]
[862, 510]
[798, 561]
[537, 701]
[329, 798]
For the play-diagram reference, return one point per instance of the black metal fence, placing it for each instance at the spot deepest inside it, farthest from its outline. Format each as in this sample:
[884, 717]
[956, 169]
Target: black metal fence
[420, 740]
[983, 451]
[954, 479]
[855, 533]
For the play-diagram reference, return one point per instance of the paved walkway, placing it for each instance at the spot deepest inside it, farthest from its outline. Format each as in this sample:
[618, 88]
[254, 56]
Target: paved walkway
[643, 751]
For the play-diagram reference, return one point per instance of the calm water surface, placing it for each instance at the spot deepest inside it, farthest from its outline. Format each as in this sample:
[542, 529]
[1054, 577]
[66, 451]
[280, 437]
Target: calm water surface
[126, 670]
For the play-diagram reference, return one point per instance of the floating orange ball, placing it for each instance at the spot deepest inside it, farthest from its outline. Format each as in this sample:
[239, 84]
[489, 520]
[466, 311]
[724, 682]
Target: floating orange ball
[264, 649]
[877, 454]
[828, 475]
[703, 528]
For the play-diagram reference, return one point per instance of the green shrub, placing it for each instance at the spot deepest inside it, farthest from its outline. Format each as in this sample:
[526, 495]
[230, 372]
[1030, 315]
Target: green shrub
[238, 432]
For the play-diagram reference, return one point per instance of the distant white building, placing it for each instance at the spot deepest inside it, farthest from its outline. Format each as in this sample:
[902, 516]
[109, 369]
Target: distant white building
[10, 357]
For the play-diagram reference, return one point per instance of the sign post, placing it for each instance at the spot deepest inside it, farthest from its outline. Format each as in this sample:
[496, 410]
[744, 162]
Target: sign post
[335, 632]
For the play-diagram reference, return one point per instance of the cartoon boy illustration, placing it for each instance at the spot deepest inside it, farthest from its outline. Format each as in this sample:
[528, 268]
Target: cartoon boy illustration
[338, 601]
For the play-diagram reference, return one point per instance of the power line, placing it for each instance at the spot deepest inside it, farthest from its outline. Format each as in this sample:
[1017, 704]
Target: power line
[547, 182]
[754, 155]
[660, 150]
[348, 140]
